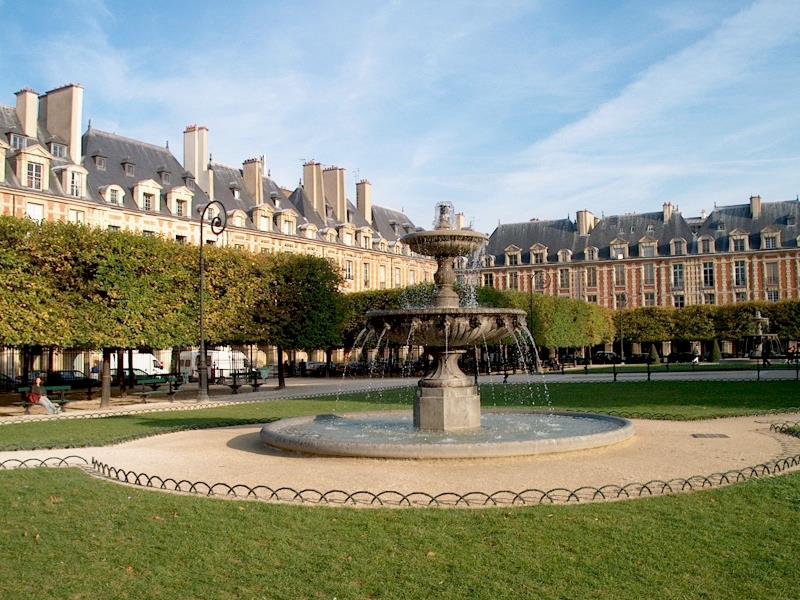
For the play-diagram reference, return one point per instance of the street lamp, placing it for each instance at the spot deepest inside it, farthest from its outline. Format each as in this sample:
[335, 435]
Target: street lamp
[217, 223]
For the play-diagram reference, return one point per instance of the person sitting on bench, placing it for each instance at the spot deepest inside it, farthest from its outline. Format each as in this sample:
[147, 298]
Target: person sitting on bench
[38, 395]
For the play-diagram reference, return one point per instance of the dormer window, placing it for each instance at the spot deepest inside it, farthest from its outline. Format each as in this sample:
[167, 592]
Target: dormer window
[513, 256]
[769, 241]
[189, 182]
[165, 177]
[647, 250]
[720, 225]
[678, 247]
[564, 256]
[100, 162]
[706, 245]
[235, 191]
[619, 251]
[651, 228]
[180, 208]
[739, 244]
[129, 168]
[18, 142]
[591, 253]
[75, 184]
[148, 201]
[58, 150]
[34, 175]
[114, 196]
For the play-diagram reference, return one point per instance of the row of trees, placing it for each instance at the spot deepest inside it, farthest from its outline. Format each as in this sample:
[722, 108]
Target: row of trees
[705, 323]
[69, 286]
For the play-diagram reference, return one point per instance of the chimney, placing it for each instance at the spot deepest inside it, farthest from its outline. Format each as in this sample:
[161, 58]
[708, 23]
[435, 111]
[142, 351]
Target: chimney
[364, 200]
[209, 183]
[195, 153]
[755, 207]
[333, 184]
[253, 172]
[460, 220]
[667, 207]
[312, 184]
[28, 111]
[585, 221]
[63, 111]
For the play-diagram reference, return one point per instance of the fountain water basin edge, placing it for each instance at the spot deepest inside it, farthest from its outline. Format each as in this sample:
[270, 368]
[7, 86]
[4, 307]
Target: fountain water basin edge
[391, 434]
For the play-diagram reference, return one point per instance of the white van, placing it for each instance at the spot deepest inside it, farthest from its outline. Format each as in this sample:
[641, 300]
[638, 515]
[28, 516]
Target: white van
[144, 361]
[220, 363]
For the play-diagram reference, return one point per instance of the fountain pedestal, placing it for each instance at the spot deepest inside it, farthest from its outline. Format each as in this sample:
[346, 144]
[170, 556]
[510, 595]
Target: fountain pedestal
[447, 399]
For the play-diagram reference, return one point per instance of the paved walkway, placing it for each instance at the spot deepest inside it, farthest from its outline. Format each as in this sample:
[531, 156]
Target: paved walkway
[660, 450]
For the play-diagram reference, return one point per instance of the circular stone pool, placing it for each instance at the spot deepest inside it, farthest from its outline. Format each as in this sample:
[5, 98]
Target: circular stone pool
[392, 435]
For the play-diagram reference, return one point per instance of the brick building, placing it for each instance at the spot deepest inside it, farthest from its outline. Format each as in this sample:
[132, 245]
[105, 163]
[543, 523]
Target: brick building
[734, 254]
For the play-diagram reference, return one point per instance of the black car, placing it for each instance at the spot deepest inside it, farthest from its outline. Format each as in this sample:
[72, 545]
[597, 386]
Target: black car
[606, 358]
[682, 357]
[8, 383]
[74, 379]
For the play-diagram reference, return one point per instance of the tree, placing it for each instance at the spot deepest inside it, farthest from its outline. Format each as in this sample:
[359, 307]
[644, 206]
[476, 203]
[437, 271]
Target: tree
[301, 309]
[695, 322]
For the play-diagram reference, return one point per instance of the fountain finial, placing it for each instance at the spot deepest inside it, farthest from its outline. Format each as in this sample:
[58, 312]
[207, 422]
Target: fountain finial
[443, 218]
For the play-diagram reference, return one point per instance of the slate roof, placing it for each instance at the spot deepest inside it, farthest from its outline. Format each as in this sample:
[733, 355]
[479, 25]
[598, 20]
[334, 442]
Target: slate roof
[562, 234]
[391, 224]
[555, 235]
[9, 122]
[774, 215]
[634, 227]
[149, 161]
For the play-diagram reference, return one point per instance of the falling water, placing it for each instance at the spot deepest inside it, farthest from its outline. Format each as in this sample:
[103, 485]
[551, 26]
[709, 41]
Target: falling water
[489, 368]
[543, 390]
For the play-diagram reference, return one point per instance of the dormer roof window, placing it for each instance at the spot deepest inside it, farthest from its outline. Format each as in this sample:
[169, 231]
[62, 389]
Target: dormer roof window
[58, 150]
[100, 162]
[720, 225]
[166, 176]
[128, 167]
[234, 187]
[188, 180]
[17, 141]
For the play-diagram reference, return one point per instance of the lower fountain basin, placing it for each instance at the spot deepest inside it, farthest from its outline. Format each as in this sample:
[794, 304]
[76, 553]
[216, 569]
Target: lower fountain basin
[391, 434]
[451, 327]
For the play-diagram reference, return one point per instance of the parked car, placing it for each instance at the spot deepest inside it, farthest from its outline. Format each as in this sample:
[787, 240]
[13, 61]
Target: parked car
[606, 358]
[682, 357]
[638, 358]
[75, 379]
[8, 383]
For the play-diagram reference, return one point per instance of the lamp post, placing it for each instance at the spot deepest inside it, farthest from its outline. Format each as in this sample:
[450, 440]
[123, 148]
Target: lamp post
[217, 223]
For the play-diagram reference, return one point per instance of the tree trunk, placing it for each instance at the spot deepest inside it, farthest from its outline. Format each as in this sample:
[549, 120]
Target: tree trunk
[123, 383]
[281, 374]
[328, 361]
[105, 379]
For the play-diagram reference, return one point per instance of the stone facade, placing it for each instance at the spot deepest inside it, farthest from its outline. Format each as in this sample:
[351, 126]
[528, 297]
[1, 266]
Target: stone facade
[48, 170]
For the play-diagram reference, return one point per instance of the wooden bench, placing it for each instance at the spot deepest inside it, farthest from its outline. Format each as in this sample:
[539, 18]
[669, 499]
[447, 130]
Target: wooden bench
[60, 401]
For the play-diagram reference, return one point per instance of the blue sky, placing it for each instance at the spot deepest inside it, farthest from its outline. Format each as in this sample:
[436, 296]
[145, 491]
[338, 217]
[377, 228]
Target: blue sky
[511, 110]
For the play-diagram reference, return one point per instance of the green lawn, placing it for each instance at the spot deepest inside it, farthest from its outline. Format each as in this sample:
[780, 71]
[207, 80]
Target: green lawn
[66, 535]
[657, 399]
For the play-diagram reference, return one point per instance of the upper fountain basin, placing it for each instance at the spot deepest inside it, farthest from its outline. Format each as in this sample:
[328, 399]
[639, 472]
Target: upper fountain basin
[445, 242]
[450, 327]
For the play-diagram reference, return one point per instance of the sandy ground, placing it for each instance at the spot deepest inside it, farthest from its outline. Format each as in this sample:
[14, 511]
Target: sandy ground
[660, 450]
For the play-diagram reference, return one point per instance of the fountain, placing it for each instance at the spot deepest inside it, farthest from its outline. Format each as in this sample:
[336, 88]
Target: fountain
[447, 420]
[447, 399]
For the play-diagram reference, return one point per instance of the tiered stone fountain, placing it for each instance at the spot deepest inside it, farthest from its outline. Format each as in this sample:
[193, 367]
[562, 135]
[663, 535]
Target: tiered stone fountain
[447, 420]
[447, 399]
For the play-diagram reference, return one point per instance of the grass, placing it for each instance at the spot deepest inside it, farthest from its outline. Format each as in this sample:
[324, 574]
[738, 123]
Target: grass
[687, 368]
[657, 399]
[66, 535]
[677, 400]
